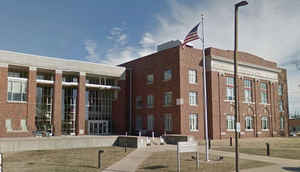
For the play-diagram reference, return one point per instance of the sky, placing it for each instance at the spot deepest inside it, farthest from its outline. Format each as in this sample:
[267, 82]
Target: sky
[116, 31]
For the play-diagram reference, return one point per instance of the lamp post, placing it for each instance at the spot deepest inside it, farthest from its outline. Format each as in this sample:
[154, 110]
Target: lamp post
[236, 124]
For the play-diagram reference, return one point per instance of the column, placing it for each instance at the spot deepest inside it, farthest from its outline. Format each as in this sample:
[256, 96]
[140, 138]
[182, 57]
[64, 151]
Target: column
[3, 96]
[57, 103]
[80, 116]
[31, 94]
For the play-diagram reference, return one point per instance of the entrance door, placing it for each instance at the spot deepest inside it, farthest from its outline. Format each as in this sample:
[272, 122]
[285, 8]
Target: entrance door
[98, 127]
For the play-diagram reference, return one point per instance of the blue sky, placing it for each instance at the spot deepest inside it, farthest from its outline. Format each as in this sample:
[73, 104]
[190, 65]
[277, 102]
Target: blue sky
[116, 31]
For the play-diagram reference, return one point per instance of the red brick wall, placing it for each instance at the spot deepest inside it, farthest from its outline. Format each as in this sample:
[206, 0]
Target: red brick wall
[56, 120]
[80, 116]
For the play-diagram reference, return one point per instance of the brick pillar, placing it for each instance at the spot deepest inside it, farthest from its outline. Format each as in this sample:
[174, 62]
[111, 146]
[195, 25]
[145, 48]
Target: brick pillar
[31, 95]
[80, 116]
[57, 94]
[3, 97]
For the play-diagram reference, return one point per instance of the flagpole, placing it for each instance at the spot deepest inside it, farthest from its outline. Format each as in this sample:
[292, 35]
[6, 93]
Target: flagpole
[204, 91]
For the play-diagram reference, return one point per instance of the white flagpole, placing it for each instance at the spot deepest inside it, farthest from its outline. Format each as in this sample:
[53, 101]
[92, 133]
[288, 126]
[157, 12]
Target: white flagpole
[204, 91]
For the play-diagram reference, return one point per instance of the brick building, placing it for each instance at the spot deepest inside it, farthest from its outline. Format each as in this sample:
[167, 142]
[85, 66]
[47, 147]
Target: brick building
[54, 95]
[163, 92]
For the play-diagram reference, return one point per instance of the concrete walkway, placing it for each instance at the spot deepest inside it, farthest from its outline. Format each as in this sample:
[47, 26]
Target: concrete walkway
[132, 161]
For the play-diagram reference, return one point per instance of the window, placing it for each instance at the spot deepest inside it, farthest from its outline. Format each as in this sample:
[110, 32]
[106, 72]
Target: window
[70, 78]
[150, 122]
[263, 93]
[193, 98]
[280, 106]
[150, 101]
[230, 88]
[264, 123]
[138, 122]
[247, 91]
[139, 102]
[168, 75]
[168, 122]
[249, 122]
[17, 89]
[110, 82]
[193, 122]
[280, 90]
[281, 122]
[192, 76]
[168, 98]
[150, 79]
[230, 122]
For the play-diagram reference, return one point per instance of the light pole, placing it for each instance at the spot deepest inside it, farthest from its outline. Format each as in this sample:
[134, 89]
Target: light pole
[236, 124]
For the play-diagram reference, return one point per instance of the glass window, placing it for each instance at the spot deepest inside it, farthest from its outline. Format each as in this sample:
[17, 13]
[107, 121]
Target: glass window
[150, 79]
[193, 122]
[17, 89]
[280, 90]
[263, 93]
[264, 123]
[280, 106]
[168, 75]
[230, 122]
[281, 122]
[139, 122]
[249, 122]
[150, 122]
[229, 88]
[139, 102]
[192, 76]
[193, 98]
[150, 100]
[168, 122]
[248, 91]
[168, 98]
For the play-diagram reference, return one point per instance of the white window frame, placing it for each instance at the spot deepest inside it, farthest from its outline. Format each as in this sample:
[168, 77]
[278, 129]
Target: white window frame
[264, 123]
[264, 93]
[193, 122]
[150, 122]
[281, 123]
[168, 122]
[150, 101]
[23, 89]
[248, 90]
[193, 98]
[192, 76]
[249, 122]
[280, 106]
[150, 79]
[168, 75]
[230, 122]
[230, 88]
[280, 90]
[168, 98]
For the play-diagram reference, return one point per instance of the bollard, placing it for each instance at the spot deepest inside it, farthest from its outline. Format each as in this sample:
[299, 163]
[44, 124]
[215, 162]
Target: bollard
[126, 133]
[230, 141]
[165, 133]
[99, 158]
[268, 149]
[209, 144]
[125, 146]
[1, 162]
[140, 133]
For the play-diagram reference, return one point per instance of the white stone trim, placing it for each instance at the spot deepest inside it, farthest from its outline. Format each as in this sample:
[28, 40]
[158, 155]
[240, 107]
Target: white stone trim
[58, 71]
[4, 65]
[32, 68]
[102, 86]
[42, 81]
[70, 83]
[82, 73]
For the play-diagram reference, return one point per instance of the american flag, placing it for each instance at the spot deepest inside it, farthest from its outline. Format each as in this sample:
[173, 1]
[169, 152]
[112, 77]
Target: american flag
[192, 35]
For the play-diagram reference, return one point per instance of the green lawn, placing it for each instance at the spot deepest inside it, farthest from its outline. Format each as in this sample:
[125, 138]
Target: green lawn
[283, 147]
[66, 160]
[167, 162]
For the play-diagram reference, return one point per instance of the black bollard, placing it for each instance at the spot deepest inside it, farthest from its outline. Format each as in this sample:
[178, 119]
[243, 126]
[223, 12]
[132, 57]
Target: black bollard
[209, 144]
[230, 141]
[125, 147]
[99, 158]
[268, 149]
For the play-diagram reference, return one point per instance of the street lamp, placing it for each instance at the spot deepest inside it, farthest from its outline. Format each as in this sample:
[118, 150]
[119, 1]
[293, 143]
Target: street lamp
[236, 124]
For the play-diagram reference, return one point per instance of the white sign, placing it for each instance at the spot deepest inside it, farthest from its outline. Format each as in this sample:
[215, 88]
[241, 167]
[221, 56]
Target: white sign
[187, 147]
[238, 127]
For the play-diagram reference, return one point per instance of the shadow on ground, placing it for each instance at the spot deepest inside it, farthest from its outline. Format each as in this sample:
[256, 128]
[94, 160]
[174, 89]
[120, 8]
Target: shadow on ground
[292, 169]
[154, 167]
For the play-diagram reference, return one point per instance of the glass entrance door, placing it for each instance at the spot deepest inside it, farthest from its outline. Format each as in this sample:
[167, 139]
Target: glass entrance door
[98, 127]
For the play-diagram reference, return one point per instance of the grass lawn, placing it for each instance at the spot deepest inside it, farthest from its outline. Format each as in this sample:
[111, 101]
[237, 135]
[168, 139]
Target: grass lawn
[66, 160]
[167, 161]
[283, 147]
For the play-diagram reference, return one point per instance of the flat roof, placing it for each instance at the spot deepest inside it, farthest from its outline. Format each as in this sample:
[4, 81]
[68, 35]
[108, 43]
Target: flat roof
[52, 63]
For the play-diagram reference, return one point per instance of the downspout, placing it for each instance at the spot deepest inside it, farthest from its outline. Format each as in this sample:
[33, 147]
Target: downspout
[220, 115]
[130, 100]
[255, 93]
